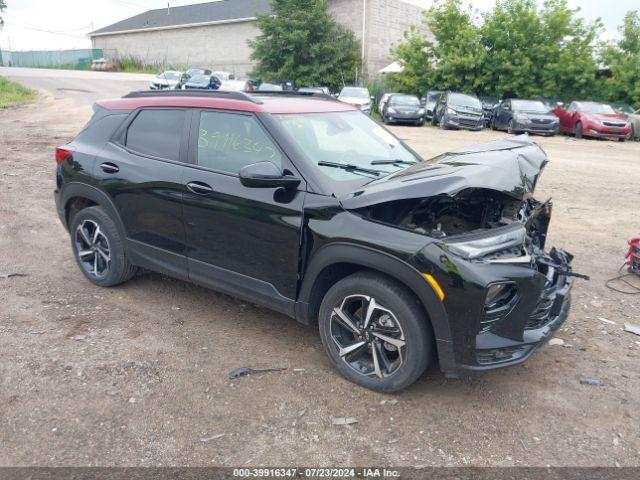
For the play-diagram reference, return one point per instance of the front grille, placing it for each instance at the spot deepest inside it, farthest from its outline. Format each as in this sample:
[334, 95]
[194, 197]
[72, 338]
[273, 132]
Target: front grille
[542, 312]
[469, 122]
[541, 121]
[614, 124]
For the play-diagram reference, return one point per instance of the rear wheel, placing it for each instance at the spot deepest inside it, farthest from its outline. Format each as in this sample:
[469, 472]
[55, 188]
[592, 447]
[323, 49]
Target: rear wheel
[99, 248]
[375, 332]
[578, 130]
[510, 128]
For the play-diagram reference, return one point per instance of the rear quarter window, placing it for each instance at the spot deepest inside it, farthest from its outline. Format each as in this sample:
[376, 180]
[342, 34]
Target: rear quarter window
[101, 127]
[157, 133]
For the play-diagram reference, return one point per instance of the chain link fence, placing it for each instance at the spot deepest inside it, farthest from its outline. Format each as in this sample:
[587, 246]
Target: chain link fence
[72, 59]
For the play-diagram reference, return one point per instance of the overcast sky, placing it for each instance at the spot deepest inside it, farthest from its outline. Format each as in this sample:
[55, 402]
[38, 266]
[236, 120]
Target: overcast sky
[62, 24]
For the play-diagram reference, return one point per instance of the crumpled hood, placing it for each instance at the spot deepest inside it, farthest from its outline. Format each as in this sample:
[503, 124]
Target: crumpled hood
[511, 166]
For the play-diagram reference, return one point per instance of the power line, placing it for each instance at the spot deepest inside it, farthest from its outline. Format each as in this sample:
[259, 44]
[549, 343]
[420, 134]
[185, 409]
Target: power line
[47, 31]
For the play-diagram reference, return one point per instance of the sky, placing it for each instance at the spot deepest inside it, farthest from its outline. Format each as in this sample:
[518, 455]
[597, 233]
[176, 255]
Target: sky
[63, 24]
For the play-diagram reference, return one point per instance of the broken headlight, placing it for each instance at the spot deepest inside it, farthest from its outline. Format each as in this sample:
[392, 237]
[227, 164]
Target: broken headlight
[485, 245]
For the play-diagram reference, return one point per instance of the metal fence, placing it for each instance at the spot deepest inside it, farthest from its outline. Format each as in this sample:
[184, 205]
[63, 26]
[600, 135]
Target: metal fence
[73, 59]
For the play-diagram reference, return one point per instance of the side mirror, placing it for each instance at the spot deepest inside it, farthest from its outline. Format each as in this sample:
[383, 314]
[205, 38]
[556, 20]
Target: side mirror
[266, 175]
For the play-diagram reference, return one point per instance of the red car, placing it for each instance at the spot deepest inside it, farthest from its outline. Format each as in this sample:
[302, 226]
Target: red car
[591, 119]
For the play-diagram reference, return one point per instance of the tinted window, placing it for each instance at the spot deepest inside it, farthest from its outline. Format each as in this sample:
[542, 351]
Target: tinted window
[227, 142]
[157, 133]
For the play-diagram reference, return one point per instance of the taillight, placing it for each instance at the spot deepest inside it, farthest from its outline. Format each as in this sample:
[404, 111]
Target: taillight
[63, 153]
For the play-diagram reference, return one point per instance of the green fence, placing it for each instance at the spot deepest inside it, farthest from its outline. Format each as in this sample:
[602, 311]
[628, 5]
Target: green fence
[74, 59]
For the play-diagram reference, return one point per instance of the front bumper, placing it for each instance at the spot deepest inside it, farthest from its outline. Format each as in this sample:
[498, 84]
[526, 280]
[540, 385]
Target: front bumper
[463, 121]
[537, 128]
[405, 117]
[602, 131]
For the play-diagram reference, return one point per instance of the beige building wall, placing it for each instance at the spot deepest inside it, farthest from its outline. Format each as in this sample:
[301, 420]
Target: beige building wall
[224, 46]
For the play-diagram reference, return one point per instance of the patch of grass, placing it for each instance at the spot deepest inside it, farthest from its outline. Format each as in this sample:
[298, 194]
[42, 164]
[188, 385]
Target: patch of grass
[12, 93]
[136, 65]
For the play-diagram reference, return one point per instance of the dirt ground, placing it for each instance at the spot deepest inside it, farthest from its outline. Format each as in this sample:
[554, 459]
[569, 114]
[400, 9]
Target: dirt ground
[137, 375]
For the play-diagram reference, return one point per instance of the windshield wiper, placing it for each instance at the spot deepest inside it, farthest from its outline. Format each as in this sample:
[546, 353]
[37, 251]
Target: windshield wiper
[391, 162]
[349, 167]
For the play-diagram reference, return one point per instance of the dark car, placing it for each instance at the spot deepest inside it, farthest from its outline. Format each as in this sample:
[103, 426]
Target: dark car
[593, 119]
[459, 110]
[530, 116]
[430, 101]
[489, 104]
[191, 72]
[401, 108]
[203, 82]
[307, 206]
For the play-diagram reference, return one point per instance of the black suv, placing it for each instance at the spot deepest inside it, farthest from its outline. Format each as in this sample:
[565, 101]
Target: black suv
[459, 110]
[307, 206]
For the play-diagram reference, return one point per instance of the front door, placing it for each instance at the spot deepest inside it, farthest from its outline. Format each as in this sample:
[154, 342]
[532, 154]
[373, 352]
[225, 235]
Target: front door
[142, 174]
[243, 241]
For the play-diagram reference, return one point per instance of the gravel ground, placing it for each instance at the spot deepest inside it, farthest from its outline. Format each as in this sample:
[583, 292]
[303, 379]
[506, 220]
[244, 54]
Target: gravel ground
[137, 375]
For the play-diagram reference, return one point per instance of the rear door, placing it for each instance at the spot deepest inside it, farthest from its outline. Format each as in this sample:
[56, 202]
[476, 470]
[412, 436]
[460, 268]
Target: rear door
[243, 241]
[141, 171]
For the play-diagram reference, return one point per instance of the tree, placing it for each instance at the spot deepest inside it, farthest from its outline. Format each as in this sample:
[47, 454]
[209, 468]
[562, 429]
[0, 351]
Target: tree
[300, 41]
[3, 7]
[623, 61]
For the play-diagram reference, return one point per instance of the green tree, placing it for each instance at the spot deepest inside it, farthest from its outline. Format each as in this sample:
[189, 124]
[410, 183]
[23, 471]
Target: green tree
[300, 41]
[415, 53]
[623, 60]
[3, 7]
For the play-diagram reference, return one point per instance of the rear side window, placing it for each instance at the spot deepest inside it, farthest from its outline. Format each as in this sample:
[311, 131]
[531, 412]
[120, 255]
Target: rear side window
[100, 128]
[228, 141]
[157, 133]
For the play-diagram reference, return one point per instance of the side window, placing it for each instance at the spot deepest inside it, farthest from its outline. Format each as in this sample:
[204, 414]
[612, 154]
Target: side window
[573, 107]
[229, 141]
[157, 133]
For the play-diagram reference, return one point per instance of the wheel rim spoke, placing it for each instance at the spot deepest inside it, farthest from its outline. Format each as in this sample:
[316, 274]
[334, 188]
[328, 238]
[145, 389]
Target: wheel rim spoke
[105, 256]
[344, 319]
[370, 309]
[85, 253]
[376, 361]
[84, 235]
[396, 342]
[351, 348]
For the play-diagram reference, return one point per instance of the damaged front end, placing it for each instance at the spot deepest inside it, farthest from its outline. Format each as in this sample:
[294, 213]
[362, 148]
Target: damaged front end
[486, 236]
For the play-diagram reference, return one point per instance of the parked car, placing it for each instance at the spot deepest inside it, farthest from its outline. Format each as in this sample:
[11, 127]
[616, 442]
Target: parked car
[324, 90]
[551, 103]
[530, 116]
[357, 96]
[401, 108]
[203, 82]
[383, 100]
[592, 119]
[430, 102]
[270, 87]
[236, 86]
[622, 108]
[192, 72]
[489, 104]
[327, 218]
[224, 75]
[458, 110]
[634, 120]
[169, 79]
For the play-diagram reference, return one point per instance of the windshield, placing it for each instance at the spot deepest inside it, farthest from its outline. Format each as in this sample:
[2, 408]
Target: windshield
[433, 96]
[529, 106]
[462, 100]
[348, 138]
[195, 71]
[199, 79]
[408, 100]
[169, 76]
[621, 108]
[592, 107]
[354, 92]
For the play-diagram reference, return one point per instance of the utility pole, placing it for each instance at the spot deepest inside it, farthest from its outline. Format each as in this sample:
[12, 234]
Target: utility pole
[364, 36]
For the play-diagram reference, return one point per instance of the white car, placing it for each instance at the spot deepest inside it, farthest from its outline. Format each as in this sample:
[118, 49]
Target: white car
[224, 75]
[358, 96]
[236, 86]
[165, 80]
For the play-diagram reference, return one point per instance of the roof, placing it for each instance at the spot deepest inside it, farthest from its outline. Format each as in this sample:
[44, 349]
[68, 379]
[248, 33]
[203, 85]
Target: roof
[222, 11]
[269, 104]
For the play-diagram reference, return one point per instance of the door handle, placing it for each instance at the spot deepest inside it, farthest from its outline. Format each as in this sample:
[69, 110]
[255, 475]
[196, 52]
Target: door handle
[199, 188]
[108, 167]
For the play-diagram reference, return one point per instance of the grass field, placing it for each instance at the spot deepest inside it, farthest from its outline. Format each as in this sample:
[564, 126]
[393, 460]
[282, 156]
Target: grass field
[12, 93]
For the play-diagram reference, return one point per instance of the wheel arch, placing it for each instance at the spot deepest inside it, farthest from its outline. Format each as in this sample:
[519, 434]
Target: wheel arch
[77, 196]
[336, 261]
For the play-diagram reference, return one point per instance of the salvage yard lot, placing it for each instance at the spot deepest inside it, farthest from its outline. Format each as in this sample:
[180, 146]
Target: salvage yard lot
[137, 375]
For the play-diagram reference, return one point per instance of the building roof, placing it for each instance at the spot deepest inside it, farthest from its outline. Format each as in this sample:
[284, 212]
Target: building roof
[222, 11]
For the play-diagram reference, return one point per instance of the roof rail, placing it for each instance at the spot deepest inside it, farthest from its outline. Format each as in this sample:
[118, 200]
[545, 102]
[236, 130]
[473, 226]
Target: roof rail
[285, 93]
[193, 93]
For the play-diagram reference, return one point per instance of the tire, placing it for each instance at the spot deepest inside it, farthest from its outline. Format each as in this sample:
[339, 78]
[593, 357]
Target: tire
[578, 130]
[112, 266]
[621, 139]
[510, 129]
[420, 123]
[396, 312]
[492, 124]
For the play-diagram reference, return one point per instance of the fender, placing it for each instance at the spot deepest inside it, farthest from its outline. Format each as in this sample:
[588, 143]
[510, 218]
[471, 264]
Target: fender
[94, 194]
[403, 272]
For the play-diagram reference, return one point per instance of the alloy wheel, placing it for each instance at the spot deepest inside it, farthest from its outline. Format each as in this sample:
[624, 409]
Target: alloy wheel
[367, 336]
[92, 248]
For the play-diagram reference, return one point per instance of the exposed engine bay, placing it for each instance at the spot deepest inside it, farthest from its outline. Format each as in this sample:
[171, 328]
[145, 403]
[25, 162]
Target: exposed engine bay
[470, 211]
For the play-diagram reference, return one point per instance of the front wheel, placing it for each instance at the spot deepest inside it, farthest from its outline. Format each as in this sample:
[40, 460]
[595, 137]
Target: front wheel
[375, 332]
[578, 130]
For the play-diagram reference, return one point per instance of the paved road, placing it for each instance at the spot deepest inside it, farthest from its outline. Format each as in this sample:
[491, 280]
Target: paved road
[82, 87]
